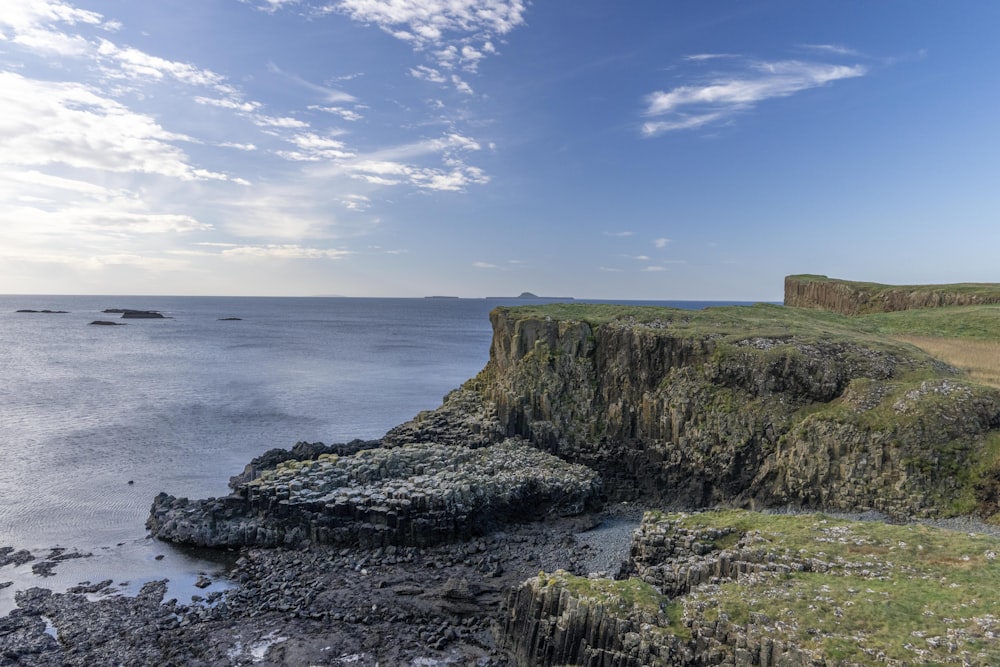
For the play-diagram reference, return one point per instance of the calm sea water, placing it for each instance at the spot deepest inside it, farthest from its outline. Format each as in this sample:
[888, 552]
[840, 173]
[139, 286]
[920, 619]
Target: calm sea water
[181, 404]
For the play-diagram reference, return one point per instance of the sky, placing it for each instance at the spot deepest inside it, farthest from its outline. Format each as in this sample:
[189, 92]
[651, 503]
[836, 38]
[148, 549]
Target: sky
[650, 149]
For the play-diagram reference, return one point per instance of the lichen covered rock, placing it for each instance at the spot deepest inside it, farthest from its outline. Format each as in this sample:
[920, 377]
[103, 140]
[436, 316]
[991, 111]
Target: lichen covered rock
[419, 494]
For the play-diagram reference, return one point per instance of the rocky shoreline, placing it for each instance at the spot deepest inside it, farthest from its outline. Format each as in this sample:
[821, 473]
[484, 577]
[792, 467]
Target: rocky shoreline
[321, 605]
[506, 527]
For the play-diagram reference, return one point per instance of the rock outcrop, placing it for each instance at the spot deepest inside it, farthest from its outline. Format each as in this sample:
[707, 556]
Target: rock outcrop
[757, 407]
[762, 591]
[859, 298]
[412, 495]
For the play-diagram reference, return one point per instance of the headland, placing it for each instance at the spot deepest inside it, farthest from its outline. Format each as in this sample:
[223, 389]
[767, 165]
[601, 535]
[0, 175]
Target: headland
[806, 488]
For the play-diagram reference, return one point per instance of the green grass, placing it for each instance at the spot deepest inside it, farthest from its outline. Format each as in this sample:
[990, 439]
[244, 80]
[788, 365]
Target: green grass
[732, 322]
[631, 598]
[769, 320]
[965, 322]
[979, 289]
[891, 589]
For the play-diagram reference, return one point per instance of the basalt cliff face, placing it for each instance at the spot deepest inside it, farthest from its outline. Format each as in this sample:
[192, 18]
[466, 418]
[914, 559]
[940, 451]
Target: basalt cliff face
[860, 298]
[670, 413]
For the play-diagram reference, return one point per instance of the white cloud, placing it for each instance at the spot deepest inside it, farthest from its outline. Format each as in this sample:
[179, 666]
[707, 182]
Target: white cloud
[313, 148]
[425, 73]
[699, 57]
[23, 15]
[233, 104]
[835, 49]
[484, 265]
[138, 64]
[461, 85]
[346, 114]
[654, 269]
[425, 21]
[455, 33]
[661, 242]
[330, 95]
[618, 234]
[283, 122]
[271, 6]
[356, 202]
[694, 106]
[284, 252]
[52, 41]
[238, 146]
[51, 122]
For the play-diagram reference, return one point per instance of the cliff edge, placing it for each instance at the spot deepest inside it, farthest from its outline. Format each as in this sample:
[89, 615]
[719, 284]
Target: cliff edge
[755, 407]
[859, 298]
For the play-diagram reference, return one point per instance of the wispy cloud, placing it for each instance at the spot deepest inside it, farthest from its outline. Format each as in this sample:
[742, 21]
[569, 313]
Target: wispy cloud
[283, 252]
[619, 234]
[484, 265]
[455, 34]
[46, 122]
[722, 95]
[661, 242]
[834, 49]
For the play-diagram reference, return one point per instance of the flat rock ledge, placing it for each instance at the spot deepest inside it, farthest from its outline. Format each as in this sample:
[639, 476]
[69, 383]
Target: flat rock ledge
[411, 495]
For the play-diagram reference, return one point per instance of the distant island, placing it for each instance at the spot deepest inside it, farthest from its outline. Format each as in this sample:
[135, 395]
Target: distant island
[529, 295]
[523, 295]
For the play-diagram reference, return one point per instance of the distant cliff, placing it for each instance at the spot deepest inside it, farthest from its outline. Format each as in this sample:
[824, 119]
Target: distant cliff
[859, 298]
[758, 406]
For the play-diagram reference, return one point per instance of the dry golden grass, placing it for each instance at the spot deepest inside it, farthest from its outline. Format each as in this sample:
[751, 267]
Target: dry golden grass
[979, 358]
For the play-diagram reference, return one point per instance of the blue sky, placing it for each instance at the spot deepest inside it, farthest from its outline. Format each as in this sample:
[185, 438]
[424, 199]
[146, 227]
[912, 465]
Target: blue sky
[643, 150]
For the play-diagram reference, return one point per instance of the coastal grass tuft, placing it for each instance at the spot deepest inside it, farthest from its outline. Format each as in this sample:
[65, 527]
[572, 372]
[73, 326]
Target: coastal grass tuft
[877, 592]
[631, 598]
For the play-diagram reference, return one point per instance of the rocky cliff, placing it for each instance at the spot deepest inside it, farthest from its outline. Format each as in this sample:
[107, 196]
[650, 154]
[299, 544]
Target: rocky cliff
[758, 407]
[859, 298]
[741, 588]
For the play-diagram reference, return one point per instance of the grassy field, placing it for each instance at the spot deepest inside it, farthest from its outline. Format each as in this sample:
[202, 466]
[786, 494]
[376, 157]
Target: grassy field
[967, 337]
[979, 358]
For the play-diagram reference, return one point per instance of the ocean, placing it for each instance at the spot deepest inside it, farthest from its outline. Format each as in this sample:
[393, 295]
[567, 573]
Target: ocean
[96, 420]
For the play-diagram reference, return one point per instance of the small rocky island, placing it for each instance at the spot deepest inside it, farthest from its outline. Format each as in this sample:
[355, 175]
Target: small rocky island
[626, 486]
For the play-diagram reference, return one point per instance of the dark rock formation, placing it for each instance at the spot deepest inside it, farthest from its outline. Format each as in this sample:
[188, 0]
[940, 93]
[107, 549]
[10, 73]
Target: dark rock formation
[141, 314]
[300, 451]
[409, 495]
[727, 416]
[28, 310]
[858, 298]
[106, 323]
[230, 319]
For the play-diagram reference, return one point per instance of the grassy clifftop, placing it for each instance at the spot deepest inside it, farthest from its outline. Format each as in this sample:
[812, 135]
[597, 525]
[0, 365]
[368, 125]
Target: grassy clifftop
[858, 298]
[756, 406]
